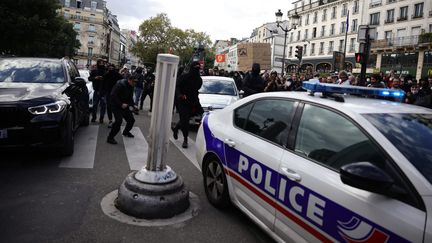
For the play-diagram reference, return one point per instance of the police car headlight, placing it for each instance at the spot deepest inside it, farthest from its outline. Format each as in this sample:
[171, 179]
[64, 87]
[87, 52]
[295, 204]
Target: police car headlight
[55, 107]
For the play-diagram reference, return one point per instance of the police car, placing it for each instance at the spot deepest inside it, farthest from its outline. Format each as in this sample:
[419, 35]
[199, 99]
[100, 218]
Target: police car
[321, 166]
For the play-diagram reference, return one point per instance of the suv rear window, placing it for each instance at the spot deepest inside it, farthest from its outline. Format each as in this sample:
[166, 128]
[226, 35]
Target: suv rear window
[31, 71]
[411, 134]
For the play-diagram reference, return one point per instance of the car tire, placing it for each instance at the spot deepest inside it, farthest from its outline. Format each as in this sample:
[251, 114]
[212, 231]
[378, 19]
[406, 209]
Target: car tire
[215, 183]
[68, 137]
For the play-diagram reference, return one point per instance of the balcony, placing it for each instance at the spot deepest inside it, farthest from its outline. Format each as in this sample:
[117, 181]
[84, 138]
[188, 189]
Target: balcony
[389, 21]
[417, 16]
[402, 18]
[403, 42]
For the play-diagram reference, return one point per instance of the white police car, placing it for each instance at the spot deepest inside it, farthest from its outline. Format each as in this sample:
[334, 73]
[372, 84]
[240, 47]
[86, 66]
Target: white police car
[307, 168]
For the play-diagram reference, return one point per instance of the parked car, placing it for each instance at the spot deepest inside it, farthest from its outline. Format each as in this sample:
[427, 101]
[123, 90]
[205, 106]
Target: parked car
[216, 93]
[42, 103]
[312, 169]
[85, 74]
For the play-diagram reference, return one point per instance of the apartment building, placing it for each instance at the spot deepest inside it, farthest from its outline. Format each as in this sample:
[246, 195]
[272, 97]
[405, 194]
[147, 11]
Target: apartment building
[323, 27]
[403, 41]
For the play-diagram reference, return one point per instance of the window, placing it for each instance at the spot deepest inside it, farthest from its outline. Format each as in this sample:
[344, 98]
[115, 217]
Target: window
[354, 25]
[290, 51]
[78, 4]
[66, 15]
[78, 37]
[430, 28]
[268, 119]
[312, 51]
[332, 28]
[333, 14]
[352, 46]
[93, 5]
[344, 10]
[307, 19]
[77, 26]
[356, 7]
[324, 16]
[298, 35]
[418, 10]
[67, 3]
[300, 21]
[304, 50]
[374, 19]
[291, 37]
[374, 3]
[90, 51]
[306, 34]
[403, 13]
[390, 16]
[331, 44]
[339, 144]
[315, 18]
[92, 28]
[321, 50]
[314, 35]
[343, 27]
[322, 31]
[388, 35]
[91, 39]
[341, 45]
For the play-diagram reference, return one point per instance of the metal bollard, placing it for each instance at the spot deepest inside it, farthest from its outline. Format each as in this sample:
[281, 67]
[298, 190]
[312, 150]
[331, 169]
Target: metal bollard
[156, 191]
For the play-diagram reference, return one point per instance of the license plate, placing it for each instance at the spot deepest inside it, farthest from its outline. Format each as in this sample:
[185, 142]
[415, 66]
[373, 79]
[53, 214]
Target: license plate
[3, 133]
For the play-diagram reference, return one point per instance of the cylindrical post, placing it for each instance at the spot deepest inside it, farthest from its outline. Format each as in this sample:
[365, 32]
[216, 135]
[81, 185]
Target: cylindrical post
[156, 191]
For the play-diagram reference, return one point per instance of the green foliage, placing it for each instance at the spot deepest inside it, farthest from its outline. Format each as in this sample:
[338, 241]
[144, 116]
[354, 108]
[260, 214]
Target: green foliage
[425, 38]
[157, 35]
[33, 28]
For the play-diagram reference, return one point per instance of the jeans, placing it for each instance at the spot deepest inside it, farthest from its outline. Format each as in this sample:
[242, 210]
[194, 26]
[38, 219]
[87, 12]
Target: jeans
[98, 98]
[138, 93]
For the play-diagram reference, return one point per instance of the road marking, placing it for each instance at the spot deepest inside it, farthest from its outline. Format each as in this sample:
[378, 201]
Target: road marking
[136, 149]
[84, 149]
[189, 152]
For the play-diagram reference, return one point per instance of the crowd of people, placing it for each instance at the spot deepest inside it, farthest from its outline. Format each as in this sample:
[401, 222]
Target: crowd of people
[119, 93]
[418, 92]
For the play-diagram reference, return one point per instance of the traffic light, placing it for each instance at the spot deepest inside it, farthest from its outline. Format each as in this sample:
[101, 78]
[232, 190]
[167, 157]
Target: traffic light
[359, 57]
[299, 52]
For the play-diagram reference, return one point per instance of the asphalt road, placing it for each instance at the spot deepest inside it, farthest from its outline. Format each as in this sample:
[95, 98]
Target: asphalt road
[46, 198]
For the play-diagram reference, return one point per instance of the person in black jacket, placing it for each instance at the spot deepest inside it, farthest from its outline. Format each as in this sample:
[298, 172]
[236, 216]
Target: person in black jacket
[149, 83]
[122, 105]
[253, 82]
[187, 101]
[96, 77]
[109, 80]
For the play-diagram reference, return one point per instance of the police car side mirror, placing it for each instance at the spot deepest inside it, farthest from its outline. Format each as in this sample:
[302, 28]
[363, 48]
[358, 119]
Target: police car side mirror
[366, 176]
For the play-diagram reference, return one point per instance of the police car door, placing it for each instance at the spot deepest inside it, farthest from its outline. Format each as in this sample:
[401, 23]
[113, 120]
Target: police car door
[254, 146]
[319, 206]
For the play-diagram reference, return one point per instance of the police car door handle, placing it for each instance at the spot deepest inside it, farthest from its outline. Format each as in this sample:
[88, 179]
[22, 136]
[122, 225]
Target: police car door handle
[229, 142]
[292, 175]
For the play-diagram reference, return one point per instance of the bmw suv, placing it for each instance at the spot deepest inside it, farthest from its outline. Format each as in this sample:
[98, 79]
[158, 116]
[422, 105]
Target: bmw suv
[42, 103]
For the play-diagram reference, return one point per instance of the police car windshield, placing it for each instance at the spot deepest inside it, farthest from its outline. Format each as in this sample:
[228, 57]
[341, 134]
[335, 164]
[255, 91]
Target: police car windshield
[411, 134]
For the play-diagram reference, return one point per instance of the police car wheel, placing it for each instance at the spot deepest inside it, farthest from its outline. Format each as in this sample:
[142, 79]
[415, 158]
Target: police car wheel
[215, 183]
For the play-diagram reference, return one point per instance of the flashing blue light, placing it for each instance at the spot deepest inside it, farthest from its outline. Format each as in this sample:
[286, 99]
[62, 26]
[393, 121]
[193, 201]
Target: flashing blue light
[358, 90]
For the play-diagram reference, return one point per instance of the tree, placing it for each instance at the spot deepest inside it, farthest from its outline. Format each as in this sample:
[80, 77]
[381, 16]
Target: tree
[33, 28]
[157, 35]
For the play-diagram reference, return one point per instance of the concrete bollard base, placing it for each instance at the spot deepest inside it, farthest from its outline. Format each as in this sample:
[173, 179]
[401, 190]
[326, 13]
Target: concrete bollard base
[152, 201]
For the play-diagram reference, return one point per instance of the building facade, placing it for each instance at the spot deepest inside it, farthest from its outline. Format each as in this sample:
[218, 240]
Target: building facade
[403, 35]
[326, 30]
[88, 18]
[131, 40]
[113, 39]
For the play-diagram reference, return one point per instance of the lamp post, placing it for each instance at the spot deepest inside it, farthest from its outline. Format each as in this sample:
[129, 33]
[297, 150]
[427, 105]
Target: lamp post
[294, 19]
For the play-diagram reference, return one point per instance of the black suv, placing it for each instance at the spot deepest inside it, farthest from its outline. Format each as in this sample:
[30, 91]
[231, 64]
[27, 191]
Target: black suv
[42, 103]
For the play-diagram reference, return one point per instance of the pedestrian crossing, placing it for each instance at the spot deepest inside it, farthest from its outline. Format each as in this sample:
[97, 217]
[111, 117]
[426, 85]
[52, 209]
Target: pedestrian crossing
[86, 140]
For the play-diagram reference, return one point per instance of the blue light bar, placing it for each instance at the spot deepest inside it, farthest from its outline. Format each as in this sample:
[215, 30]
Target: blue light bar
[358, 90]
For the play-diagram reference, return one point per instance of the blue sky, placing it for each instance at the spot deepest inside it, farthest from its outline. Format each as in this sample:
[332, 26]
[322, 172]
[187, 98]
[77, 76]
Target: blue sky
[220, 19]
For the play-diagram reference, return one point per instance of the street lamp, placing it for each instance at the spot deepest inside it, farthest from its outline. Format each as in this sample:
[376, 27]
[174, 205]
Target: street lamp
[294, 20]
